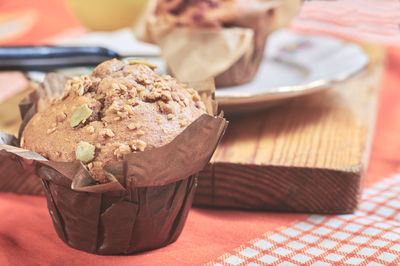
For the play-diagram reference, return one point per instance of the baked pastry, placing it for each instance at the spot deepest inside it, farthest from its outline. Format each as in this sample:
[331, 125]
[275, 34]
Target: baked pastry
[215, 20]
[124, 148]
[120, 108]
[201, 13]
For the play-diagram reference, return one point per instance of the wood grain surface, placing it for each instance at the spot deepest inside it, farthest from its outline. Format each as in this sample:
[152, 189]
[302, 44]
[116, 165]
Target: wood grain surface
[309, 154]
[10, 118]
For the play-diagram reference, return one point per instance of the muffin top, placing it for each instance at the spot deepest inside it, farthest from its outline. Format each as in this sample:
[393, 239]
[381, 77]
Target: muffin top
[118, 109]
[202, 13]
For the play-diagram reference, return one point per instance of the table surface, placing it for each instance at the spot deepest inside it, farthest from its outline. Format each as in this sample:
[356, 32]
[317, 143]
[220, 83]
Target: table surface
[226, 236]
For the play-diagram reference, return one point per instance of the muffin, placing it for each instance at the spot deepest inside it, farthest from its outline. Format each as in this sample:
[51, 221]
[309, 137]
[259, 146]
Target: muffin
[119, 109]
[201, 13]
[118, 154]
[237, 28]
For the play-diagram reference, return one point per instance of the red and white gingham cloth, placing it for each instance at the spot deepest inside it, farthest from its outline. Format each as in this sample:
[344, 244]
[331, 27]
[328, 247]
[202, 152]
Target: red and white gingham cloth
[364, 20]
[371, 236]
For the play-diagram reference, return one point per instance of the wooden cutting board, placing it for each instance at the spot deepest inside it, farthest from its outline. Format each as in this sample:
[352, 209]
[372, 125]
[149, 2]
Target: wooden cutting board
[309, 154]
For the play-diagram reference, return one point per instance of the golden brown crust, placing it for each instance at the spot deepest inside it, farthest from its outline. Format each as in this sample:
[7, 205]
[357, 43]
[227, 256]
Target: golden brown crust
[133, 109]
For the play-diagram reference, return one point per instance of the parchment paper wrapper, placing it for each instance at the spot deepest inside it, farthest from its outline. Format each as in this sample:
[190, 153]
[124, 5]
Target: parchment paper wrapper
[230, 55]
[145, 211]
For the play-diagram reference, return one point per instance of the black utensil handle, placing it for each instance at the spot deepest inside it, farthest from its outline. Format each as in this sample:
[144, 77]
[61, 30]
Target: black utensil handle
[47, 58]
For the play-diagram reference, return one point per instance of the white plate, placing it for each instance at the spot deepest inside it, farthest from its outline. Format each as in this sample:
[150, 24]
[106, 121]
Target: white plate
[294, 65]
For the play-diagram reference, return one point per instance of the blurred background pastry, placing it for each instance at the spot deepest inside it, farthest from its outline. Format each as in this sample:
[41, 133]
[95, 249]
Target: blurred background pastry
[213, 38]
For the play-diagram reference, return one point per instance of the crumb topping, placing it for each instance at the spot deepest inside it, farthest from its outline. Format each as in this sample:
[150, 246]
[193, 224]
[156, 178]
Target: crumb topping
[120, 108]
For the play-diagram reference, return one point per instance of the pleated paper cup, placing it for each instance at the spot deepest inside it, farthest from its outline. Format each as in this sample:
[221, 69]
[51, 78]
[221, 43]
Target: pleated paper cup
[146, 202]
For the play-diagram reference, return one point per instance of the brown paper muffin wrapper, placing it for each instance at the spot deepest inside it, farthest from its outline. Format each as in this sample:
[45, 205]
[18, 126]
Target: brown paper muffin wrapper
[245, 69]
[230, 55]
[146, 210]
[22, 179]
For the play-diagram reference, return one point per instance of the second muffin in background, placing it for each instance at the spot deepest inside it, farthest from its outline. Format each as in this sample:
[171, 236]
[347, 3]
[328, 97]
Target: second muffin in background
[210, 38]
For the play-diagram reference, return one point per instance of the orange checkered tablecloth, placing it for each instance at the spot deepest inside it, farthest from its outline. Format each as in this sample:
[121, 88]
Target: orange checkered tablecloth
[371, 236]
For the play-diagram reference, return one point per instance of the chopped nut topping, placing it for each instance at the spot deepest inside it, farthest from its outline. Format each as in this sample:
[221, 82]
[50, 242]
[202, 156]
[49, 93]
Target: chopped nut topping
[80, 90]
[153, 96]
[115, 106]
[121, 150]
[132, 126]
[85, 82]
[183, 123]
[175, 97]
[54, 101]
[123, 115]
[51, 130]
[166, 96]
[133, 102]
[137, 61]
[113, 95]
[186, 101]
[123, 87]
[165, 108]
[80, 115]
[115, 86]
[97, 164]
[77, 85]
[61, 117]
[133, 92]
[139, 145]
[107, 133]
[195, 97]
[84, 151]
[90, 129]
[181, 97]
[128, 108]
